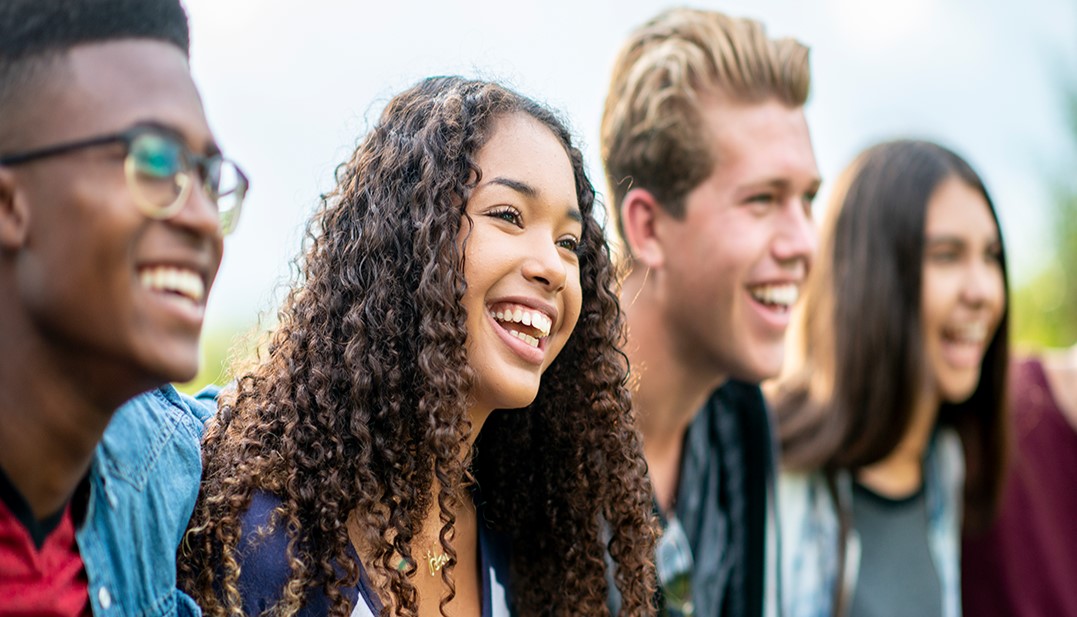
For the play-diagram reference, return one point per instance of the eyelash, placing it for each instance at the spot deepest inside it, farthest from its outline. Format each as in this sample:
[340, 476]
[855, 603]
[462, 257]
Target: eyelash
[943, 254]
[509, 215]
[512, 215]
[574, 244]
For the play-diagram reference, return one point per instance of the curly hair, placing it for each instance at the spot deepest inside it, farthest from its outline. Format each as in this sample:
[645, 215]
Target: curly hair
[359, 408]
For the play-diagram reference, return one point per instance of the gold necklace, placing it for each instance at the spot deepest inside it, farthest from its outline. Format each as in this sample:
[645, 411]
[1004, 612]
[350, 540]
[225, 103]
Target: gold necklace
[436, 561]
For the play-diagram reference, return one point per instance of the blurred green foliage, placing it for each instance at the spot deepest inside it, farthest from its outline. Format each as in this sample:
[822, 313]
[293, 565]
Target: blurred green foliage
[222, 346]
[1045, 308]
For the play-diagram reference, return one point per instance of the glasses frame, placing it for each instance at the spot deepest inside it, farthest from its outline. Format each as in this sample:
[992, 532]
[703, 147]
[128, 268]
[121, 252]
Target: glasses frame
[192, 162]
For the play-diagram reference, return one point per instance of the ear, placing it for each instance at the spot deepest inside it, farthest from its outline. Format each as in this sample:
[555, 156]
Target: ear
[14, 214]
[640, 212]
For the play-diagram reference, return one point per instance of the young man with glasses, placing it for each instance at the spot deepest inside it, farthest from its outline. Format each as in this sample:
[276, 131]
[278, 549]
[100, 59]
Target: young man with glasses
[712, 177]
[114, 200]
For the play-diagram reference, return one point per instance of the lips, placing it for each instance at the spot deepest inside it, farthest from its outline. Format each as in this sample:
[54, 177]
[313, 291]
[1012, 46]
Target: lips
[972, 333]
[963, 344]
[524, 328]
[529, 325]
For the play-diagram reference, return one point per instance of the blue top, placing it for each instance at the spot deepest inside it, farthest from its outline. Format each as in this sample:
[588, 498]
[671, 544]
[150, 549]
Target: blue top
[143, 483]
[264, 570]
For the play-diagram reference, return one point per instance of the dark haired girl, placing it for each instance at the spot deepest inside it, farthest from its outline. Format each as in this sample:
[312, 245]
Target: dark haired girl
[891, 417]
[455, 271]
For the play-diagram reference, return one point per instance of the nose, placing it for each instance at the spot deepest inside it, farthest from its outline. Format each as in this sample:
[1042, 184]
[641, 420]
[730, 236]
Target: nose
[544, 263]
[199, 213]
[797, 239]
[983, 283]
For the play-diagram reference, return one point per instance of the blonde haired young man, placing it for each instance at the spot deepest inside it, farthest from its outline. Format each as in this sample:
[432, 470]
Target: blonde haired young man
[712, 177]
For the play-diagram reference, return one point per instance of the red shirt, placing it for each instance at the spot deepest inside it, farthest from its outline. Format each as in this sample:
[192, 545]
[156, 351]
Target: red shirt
[41, 571]
[1026, 564]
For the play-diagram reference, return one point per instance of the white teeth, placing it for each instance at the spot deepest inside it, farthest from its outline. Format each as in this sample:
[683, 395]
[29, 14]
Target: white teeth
[527, 317]
[975, 332]
[182, 281]
[527, 338]
[782, 295]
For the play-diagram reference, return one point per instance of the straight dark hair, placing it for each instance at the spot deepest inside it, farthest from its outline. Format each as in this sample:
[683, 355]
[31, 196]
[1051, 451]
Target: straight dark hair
[849, 397]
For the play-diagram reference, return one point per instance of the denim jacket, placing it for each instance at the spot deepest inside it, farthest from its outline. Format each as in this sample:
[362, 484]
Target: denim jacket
[143, 485]
[810, 542]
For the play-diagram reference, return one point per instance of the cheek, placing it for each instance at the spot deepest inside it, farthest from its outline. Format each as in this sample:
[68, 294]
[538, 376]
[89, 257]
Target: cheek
[573, 299]
[998, 295]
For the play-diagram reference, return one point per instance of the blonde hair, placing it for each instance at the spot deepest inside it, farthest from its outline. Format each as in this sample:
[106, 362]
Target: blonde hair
[651, 135]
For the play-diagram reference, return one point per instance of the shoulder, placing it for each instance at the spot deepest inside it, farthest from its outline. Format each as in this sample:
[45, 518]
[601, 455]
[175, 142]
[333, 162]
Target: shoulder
[162, 410]
[496, 555]
[803, 497]
[947, 454]
[262, 557]
[739, 396]
[144, 482]
[158, 428]
[263, 544]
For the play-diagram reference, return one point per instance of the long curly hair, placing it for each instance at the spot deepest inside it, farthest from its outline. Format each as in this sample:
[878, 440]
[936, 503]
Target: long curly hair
[358, 408]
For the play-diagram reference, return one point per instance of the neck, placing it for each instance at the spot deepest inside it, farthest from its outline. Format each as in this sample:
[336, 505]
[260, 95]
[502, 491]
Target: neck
[51, 414]
[901, 473]
[668, 391]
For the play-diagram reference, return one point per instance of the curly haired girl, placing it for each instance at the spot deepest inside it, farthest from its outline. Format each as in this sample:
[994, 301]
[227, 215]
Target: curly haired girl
[456, 271]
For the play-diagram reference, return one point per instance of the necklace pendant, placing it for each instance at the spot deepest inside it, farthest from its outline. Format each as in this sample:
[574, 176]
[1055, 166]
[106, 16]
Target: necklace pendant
[436, 562]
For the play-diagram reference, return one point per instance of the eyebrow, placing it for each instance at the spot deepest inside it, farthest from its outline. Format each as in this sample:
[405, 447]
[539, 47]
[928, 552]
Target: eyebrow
[782, 184]
[531, 192]
[944, 238]
[523, 188]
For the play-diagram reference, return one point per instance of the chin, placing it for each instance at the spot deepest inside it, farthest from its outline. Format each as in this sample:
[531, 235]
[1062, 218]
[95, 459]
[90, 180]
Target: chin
[512, 396]
[174, 369]
[959, 391]
[760, 368]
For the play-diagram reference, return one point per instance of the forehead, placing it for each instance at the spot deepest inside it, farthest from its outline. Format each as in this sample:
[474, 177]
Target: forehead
[957, 209]
[522, 148]
[107, 87]
[764, 140]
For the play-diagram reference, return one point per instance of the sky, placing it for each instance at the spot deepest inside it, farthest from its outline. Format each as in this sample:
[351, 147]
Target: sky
[291, 87]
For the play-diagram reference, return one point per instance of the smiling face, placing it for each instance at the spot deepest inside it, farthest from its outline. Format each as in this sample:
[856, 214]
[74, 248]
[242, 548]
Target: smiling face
[104, 286]
[735, 263]
[522, 271]
[963, 290]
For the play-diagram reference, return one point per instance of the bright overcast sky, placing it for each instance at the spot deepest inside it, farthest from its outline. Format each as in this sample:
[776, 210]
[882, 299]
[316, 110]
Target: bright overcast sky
[290, 87]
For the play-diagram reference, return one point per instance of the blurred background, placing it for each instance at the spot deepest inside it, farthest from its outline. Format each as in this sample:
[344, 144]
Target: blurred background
[291, 87]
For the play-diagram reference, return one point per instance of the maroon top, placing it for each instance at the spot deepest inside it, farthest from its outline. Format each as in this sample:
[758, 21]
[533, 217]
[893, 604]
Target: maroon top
[1027, 563]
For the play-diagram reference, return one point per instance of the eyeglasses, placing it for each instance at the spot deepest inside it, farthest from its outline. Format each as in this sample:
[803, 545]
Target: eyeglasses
[675, 564]
[161, 171]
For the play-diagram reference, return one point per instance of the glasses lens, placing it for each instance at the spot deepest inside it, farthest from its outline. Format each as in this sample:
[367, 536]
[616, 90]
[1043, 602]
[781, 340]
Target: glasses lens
[675, 564]
[227, 185]
[157, 168]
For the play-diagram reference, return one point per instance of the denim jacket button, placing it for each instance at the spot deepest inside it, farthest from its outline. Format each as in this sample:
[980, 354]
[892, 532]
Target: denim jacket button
[104, 597]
